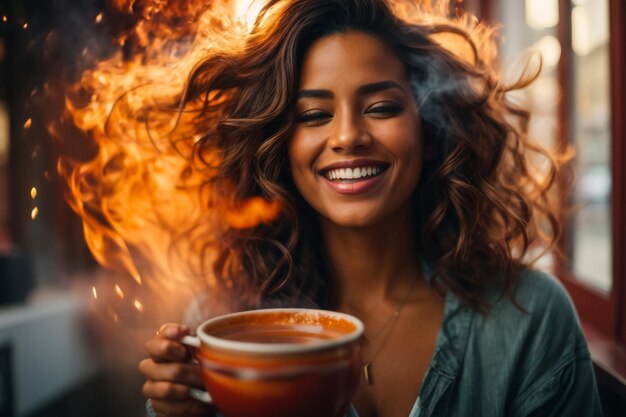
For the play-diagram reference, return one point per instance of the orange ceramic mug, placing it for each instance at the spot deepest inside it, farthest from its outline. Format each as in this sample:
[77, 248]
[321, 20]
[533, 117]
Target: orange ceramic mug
[279, 362]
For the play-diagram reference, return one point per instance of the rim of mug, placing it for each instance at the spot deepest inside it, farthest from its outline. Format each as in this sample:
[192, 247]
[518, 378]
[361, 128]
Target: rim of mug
[279, 348]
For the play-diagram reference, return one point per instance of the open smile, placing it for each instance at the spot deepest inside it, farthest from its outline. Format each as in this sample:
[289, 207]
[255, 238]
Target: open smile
[353, 179]
[352, 175]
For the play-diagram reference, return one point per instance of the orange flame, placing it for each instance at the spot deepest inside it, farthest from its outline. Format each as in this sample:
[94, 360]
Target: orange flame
[142, 199]
[143, 202]
[28, 123]
[252, 213]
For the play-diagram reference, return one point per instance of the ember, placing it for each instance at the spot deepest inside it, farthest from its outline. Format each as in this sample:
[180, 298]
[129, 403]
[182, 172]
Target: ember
[119, 291]
[138, 306]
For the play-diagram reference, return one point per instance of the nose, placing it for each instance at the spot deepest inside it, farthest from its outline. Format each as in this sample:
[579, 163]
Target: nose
[349, 133]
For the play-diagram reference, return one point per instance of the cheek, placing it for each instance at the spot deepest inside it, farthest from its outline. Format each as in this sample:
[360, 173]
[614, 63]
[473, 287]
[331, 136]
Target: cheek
[405, 143]
[301, 158]
[295, 156]
[408, 148]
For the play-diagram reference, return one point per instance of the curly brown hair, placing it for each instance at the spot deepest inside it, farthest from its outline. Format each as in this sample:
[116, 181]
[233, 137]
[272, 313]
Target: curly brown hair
[481, 203]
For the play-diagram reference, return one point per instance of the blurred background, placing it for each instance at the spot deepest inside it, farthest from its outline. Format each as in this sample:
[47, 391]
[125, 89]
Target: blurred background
[66, 352]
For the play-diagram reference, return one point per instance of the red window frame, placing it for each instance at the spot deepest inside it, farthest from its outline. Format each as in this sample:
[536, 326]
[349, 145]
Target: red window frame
[605, 314]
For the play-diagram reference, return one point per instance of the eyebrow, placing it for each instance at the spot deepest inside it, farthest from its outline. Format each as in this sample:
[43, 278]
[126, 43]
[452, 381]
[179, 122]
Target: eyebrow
[361, 91]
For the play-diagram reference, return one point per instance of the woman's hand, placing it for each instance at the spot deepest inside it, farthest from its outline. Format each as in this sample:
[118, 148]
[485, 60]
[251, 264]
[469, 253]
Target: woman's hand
[170, 375]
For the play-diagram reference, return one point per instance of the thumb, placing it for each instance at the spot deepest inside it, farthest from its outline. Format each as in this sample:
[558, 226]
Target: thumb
[173, 331]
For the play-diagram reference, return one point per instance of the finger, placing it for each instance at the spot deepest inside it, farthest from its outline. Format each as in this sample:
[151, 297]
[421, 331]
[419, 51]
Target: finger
[180, 373]
[164, 350]
[173, 331]
[181, 408]
[170, 391]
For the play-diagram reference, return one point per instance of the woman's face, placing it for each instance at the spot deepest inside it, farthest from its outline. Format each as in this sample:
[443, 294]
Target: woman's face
[356, 151]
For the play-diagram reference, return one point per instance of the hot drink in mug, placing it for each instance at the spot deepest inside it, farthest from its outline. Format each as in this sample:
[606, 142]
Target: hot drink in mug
[279, 362]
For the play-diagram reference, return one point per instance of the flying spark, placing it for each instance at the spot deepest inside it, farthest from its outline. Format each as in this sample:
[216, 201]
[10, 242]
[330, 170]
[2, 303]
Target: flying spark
[119, 291]
[95, 293]
[28, 123]
[34, 213]
[33, 193]
[139, 306]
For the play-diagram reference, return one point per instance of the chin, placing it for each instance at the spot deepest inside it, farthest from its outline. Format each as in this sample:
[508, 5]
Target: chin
[353, 221]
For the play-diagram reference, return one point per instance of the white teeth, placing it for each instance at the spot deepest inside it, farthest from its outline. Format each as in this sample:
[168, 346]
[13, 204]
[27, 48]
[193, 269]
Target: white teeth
[349, 173]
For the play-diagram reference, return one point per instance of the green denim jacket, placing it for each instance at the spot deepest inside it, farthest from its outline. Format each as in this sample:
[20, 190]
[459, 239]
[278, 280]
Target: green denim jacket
[510, 363]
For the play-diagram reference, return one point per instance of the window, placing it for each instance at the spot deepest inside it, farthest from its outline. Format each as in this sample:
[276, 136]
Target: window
[592, 80]
[580, 99]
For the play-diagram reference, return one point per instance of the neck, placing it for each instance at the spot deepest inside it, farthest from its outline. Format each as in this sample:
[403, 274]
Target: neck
[378, 262]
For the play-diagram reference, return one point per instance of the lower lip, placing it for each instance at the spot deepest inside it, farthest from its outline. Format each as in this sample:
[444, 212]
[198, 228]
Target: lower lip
[357, 187]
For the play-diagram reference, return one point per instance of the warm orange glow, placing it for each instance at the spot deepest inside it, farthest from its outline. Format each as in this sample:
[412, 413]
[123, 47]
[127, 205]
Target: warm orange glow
[247, 11]
[95, 293]
[146, 205]
[4, 19]
[28, 123]
[139, 306]
[34, 213]
[114, 316]
[141, 198]
[252, 213]
[119, 291]
[25, 26]
[33, 193]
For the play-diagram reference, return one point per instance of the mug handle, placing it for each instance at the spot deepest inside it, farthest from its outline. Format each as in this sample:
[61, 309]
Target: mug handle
[198, 394]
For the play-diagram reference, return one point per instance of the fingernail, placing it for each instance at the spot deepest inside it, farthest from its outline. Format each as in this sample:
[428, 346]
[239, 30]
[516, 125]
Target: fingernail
[171, 332]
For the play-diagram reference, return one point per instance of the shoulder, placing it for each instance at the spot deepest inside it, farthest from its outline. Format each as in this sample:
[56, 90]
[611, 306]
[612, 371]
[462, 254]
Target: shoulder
[550, 308]
[553, 373]
[539, 292]
[529, 349]
[540, 316]
[535, 294]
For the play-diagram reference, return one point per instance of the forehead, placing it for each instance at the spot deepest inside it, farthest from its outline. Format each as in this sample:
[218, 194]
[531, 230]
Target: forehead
[350, 58]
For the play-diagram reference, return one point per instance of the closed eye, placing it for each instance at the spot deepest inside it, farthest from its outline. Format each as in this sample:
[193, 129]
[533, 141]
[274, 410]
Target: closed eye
[313, 117]
[385, 110]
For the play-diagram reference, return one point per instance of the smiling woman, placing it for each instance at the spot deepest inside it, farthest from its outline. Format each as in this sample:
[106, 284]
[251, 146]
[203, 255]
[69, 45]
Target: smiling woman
[409, 199]
[356, 149]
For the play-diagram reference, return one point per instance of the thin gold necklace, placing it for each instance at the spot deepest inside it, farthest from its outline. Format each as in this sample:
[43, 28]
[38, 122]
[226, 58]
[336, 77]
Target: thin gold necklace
[386, 331]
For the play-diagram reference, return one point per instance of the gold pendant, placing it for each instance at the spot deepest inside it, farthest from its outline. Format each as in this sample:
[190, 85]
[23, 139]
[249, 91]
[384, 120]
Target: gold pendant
[367, 373]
